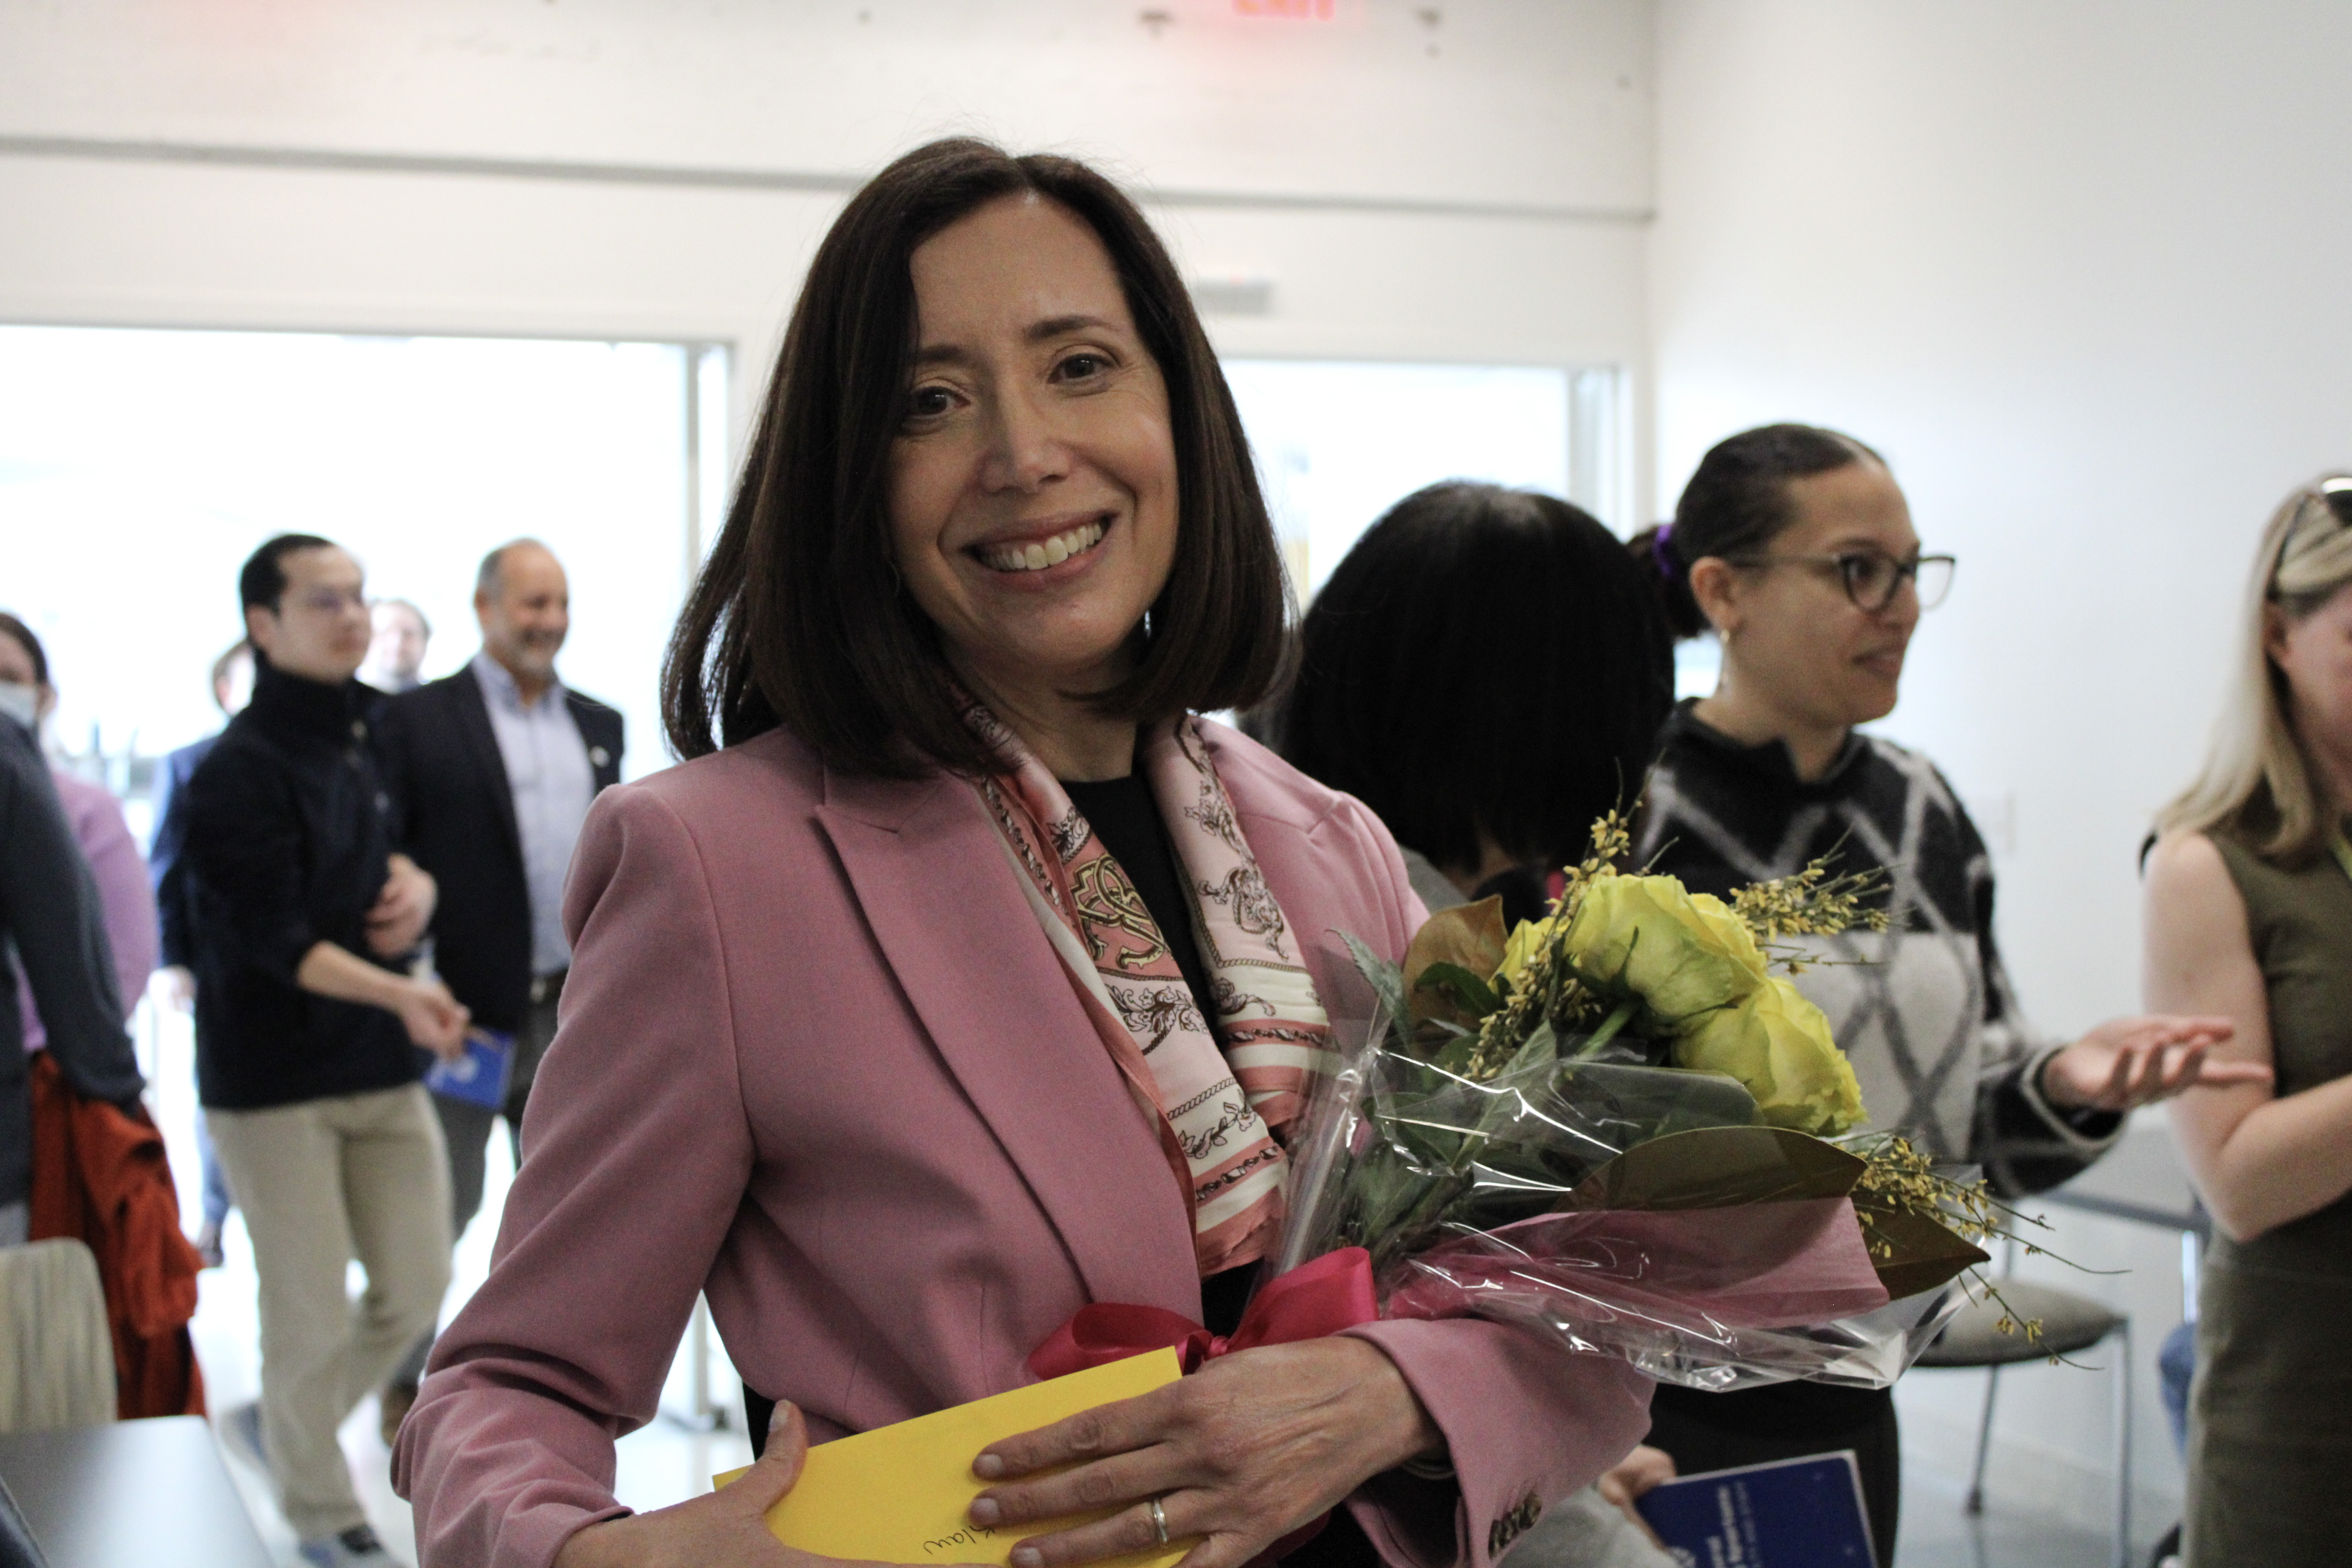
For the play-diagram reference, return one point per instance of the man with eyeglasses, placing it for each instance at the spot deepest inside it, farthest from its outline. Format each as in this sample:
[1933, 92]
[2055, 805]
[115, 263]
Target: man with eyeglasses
[307, 1029]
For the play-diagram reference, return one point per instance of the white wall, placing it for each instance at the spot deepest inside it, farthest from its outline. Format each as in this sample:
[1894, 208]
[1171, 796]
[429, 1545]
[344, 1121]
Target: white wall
[1461, 181]
[2079, 270]
[1539, 103]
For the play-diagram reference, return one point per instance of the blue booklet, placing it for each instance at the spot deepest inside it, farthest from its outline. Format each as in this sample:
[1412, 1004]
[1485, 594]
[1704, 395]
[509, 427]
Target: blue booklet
[479, 1077]
[1798, 1513]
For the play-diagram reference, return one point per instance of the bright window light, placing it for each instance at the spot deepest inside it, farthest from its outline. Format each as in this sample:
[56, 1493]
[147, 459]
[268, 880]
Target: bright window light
[1338, 443]
[139, 469]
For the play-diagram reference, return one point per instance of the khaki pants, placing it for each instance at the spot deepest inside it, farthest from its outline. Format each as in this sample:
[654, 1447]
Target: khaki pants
[361, 1175]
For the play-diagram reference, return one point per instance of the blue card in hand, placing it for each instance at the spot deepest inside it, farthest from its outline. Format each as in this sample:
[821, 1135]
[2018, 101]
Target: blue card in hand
[479, 1077]
[1798, 1513]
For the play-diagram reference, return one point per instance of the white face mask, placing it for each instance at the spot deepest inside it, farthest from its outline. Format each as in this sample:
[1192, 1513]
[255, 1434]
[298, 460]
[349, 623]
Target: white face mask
[21, 703]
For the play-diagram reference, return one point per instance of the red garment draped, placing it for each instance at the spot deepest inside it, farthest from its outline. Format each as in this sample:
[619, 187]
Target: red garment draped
[100, 1176]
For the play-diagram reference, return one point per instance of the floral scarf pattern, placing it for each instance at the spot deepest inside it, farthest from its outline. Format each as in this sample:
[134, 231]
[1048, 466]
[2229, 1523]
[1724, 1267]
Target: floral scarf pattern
[1220, 1091]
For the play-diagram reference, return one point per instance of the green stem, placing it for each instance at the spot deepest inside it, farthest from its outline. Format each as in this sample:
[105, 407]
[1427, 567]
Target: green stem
[1609, 1030]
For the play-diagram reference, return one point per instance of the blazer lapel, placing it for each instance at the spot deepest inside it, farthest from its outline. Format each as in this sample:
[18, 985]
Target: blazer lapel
[482, 745]
[932, 879]
[600, 736]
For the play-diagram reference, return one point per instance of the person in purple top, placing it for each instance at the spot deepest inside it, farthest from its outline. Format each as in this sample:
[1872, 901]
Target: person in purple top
[26, 695]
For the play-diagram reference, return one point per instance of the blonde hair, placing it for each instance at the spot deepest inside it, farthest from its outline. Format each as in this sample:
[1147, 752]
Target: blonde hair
[2257, 783]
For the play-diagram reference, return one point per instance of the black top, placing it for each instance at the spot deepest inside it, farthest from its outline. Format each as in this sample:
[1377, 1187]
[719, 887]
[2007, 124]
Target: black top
[1126, 818]
[49, 910]
[454, 812]
[288, 840]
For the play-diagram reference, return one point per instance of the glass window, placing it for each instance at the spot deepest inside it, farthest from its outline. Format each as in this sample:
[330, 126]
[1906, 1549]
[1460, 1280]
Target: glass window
[1338, 443]
[138, 469]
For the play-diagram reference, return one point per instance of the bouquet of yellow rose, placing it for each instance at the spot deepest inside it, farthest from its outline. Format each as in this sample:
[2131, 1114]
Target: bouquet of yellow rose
[1615, 1124]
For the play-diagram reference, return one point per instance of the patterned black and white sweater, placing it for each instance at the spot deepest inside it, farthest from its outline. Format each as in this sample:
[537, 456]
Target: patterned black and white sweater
[1923, 1010]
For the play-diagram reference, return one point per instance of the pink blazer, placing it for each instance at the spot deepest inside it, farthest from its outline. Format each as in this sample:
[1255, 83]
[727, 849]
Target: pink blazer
[817, 1061]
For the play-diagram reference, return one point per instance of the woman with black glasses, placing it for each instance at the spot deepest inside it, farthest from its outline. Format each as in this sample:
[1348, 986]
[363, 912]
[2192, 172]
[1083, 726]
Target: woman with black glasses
[1795, 546]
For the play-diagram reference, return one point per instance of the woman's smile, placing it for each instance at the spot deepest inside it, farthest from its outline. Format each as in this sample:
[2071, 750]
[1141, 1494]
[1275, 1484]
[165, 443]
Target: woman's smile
[1024, 552]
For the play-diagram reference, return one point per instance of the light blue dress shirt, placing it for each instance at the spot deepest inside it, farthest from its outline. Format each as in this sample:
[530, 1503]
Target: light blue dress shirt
[552, 782]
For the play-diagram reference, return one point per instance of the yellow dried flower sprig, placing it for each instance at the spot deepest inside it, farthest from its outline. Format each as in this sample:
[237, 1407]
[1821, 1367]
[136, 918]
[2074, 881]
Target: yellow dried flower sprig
[1811, 902]
[1897, 1176]
[1548, 991]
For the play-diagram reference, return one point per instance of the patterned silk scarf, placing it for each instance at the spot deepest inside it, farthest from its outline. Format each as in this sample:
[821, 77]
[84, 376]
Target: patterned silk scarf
[1222, 1091]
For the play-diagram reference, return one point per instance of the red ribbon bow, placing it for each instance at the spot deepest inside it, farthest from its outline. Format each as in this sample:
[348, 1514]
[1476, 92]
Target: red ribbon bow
[1333, 1292]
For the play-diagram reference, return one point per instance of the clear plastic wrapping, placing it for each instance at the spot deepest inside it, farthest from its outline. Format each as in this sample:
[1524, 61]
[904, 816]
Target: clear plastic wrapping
[1618, 1208]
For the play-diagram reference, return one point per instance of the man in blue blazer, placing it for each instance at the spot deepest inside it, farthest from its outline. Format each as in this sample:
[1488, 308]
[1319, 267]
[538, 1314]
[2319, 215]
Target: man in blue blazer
[491, 770]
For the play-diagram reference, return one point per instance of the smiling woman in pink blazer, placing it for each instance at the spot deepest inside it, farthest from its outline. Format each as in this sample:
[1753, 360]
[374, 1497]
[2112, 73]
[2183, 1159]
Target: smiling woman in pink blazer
[972, 981]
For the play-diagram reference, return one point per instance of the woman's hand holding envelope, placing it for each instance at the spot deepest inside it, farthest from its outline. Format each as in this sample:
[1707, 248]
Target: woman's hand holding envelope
[723, 1528]
[1240, 1454]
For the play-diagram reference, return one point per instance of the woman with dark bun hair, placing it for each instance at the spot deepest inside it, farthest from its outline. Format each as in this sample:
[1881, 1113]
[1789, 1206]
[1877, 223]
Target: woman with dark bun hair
[961, 977]
[1795, 546]
[1486, 671]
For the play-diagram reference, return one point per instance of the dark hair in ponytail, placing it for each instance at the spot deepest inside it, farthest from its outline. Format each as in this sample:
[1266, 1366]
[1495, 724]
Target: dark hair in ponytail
[1735, 504]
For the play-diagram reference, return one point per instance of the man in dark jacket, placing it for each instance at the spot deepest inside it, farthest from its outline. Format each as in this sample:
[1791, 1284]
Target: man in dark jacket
[306, 1030]
[49, 910]
[493, 769]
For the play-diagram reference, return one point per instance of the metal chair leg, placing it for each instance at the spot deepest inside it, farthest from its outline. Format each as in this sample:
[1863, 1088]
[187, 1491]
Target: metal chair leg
[1975, 1503]
[2123, 1446]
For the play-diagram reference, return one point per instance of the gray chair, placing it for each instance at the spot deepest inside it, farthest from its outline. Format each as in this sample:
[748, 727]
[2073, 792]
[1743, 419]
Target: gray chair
[56, 1353]
[2070, 1323]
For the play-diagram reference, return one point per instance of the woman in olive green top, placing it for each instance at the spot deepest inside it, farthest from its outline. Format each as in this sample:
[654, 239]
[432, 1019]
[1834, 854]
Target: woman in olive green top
[2250, 914]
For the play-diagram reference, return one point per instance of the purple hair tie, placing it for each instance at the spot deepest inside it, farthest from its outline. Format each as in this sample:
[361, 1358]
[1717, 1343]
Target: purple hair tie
[1658, 550]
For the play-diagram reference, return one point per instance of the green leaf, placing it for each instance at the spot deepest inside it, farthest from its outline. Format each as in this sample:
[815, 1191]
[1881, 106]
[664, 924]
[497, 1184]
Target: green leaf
[1721, 1167]
[1387, 983]
[1466, 991]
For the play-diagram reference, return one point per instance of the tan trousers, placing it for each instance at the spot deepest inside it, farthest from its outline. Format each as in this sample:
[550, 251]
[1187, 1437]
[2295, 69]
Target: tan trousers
[361, 1175]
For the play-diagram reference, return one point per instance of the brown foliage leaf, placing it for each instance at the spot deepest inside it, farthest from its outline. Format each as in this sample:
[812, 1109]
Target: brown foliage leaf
[1471, 935]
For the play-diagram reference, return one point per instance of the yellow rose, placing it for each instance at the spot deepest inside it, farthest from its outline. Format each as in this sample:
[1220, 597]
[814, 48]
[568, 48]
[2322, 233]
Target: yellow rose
[1525, 941]
[1683, 956]
[1727, 932]
[1778, 1046]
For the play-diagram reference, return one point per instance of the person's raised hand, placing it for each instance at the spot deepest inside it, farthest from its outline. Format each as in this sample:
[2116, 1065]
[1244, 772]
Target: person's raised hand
[1239, 1454]
[433, 1019]
[2130, 1062]
[403, 909]
[1632, 1476]
[723, 1528]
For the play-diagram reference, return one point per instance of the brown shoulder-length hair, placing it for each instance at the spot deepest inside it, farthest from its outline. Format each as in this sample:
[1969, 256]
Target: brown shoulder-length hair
[798, 617]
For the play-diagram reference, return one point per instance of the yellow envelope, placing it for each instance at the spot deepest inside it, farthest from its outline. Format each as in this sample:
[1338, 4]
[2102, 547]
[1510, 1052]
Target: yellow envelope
[900, 1494]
